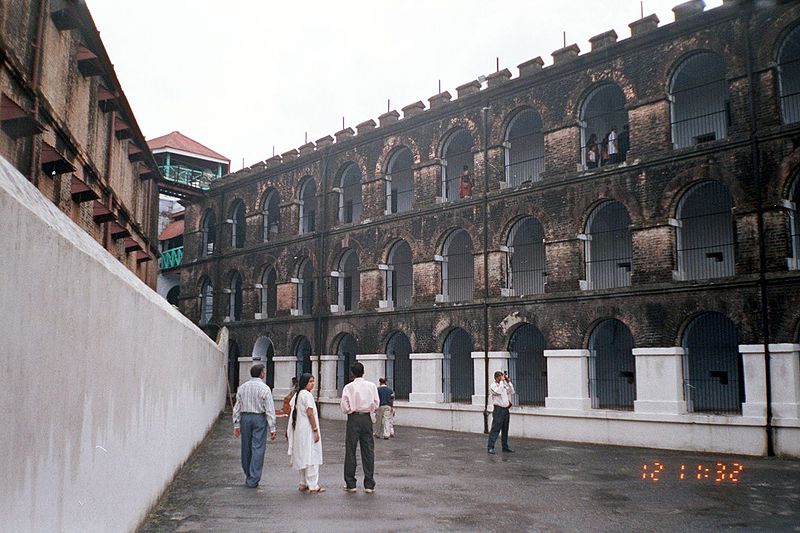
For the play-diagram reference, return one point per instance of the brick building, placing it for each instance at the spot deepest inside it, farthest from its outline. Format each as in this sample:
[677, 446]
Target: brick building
[65, 124]
[618, 230]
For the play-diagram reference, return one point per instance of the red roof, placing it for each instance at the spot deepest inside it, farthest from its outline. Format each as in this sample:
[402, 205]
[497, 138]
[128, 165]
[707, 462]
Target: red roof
[178, 141]
[172, 230]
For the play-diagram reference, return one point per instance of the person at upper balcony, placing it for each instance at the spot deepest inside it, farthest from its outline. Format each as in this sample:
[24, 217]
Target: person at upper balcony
[592, 153]
[465, 187]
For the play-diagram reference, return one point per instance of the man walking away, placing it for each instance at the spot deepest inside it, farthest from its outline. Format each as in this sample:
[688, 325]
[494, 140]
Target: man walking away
[386, 395]
[359, 400]
[501, 391]
[253, 412]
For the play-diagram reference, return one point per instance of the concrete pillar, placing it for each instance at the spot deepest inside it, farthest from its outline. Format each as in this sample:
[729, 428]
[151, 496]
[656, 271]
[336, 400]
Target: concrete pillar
[785, 374]
[755, 380]
[285, 368]
[244, 368]
[374, 366]
[497, 361]
[327, 387]
[315, 367]
[567, 379]
[659, 381]
[426, 378]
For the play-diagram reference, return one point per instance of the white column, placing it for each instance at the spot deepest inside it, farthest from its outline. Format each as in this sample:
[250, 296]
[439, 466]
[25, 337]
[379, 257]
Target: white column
[374, 366]
[498, 361]
[426, 378]
[659, 380]
[315, 363]
[755, 380]
[285, 367]
[327, 387]
[245, 363]
[784, 369]
[567, 379]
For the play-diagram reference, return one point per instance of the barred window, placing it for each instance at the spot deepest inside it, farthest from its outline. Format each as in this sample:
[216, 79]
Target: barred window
[706, 237]
[789, 77]
[400, 182]
[305, 288]
[350, 195]
[527, 366]
[457, 268]
[209, 231]
[794, 225]
[308, 206]
[524, 148]
[233, 366]
[526, 257]
[698, 95]
[302, 354]
[612, 367]
[346, 351]
[348, 282]
[609, 254]
[458, 371]
[235, 307]
[206, 302]
[605, 138]
[400, 275]
[457, 166]
[398, 365]
[269, 292]
[264, 351]
[239, 225]
[270, 215]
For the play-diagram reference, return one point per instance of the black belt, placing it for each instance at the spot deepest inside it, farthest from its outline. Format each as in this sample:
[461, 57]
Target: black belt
[252, 413]
[360, 413]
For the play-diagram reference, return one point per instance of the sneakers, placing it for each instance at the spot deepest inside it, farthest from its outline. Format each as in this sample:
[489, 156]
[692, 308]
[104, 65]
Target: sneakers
[369, 491]
[508, 450]
[349, 489]
[491, 451]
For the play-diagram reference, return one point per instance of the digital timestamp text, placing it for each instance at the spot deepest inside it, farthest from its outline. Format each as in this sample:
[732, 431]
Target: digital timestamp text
[716, 472]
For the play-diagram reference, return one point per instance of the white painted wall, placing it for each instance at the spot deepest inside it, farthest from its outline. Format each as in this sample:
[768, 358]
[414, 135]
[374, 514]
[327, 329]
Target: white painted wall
[105, 389]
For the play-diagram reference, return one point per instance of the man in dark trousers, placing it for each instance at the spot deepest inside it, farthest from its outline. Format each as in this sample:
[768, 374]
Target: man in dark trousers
[253, 412]
[359, 401]
[501, 391]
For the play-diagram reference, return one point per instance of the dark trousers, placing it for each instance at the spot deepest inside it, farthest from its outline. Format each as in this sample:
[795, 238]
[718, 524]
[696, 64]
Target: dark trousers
[500, 418]
[359, 432]
[254, 443]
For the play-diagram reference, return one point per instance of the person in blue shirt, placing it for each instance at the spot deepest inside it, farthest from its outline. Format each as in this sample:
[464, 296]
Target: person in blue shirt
[386, 395]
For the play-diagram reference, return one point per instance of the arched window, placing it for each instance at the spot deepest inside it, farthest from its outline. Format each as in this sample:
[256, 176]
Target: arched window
[206, 301]
[348, 282]
[609, 255]
[269, 292]
[270, 215]
[457, 268]
[457, 166]
[524, 148]
[398, 365]
[302, 354]
[235, 307]
[698, 94]
[713, 376]
[233, 366]
[350, 195]
[612, 367]
[209, 231]
[705, 232]
[457, 371]
[308, 206]
[794, 225]
[604, 133]
[400, 182]
[346, 351]
[526, 259]
[264, 351]
[399, 275]
[173, 295]
[789, 77]
[238, 225]
[527, 366]
[305, 288]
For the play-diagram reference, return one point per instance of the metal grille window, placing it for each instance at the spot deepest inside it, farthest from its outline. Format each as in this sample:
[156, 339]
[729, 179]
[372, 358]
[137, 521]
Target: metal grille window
[400, 275]
[270, 215]
[347, 351]
[308, 206]
[605, 138]
[350, 195]
[612, 367]
[269, 292]
[789, 77]
[348, 282]
[609, 255]
[713, 376]
[264, 351]
[794, 225]
[524, 148]
[400, 182]
[239, 225]
[235, 311]
[457, 268]
[699, 101]
[206, 302]
[305, 288]
[706, 237]
[398, 365]
[457, 166]
[526, 259]
[209, 233]
[233, 366]
[527, 366]
[458, 372]
[302, 353]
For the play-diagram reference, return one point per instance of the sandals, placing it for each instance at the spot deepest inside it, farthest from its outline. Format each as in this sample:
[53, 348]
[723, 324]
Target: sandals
[316, 491]
[303, 487]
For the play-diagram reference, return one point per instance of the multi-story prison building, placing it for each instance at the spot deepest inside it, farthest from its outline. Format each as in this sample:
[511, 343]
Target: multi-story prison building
[619, 230]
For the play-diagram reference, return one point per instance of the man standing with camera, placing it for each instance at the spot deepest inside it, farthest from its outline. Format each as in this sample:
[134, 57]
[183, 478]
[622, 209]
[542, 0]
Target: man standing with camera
[501, 391]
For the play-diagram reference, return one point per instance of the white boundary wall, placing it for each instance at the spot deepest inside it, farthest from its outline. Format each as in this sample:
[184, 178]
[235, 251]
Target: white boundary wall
[105, 389]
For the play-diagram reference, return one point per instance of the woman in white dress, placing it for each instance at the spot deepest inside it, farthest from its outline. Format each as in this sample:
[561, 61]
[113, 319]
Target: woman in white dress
[305, 443]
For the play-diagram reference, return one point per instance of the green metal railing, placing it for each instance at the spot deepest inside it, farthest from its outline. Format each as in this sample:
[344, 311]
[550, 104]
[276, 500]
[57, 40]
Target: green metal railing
[188, 176]
[171, 258]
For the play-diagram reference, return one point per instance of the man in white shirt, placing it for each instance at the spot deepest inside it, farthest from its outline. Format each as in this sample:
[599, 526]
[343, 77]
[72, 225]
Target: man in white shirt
[253, 412]
[359, 400]
[501, 391]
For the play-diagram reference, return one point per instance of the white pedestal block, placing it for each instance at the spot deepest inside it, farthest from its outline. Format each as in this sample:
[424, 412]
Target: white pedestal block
[785, 375]
[659, 381]
[285, 368]
[755, 380]
[374, 366]
[567, 379]
[426, 378]
[327, 387]
[245, 363]
[498, 361]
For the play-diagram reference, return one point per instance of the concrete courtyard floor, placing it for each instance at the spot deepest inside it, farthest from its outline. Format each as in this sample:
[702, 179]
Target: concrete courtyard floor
[444, 481]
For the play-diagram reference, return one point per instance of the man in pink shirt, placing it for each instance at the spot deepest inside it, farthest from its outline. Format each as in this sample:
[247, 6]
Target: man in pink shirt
[359, 400]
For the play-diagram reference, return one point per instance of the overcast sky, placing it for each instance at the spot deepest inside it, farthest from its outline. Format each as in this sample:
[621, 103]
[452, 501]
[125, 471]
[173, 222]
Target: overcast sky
[242, 76]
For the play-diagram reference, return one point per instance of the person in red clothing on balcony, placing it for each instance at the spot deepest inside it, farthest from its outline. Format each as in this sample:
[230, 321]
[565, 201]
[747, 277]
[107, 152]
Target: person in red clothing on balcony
[465, 187]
